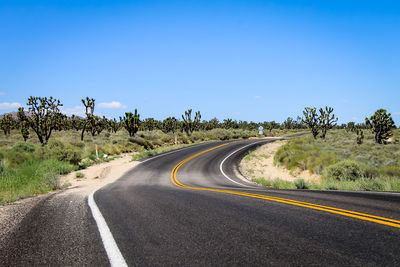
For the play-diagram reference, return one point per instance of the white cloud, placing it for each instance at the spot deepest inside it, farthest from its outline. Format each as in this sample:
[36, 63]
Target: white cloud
[2, 93]
[344, 100]
[113, 104]
[257, 97]
[77, 110]
[7, 105]
[396, 113]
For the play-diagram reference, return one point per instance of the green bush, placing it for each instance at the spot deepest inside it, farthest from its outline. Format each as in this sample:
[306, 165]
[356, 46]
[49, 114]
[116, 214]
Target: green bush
[301, 184]
[31, 178]
[281, 184]
[262, 181]
[347, 170]
[69, 153]
[24, 147]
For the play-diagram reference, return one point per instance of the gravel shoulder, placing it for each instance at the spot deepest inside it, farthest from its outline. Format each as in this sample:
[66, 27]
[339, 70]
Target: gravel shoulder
[66, 210]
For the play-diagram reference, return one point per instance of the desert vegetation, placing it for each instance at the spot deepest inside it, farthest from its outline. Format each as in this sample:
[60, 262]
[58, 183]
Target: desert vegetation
[352, 157]
[39, 143]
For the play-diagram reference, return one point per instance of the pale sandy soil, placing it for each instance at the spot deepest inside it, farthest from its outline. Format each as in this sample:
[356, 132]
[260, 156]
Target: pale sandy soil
[260, 164]
[98, 175]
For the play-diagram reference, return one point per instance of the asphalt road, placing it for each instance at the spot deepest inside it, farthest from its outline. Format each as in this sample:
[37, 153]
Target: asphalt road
[160, 213]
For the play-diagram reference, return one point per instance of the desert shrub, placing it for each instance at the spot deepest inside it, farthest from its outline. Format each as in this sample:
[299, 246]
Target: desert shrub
[78, 144]
[167, 139]
[185, 139]
[141, 142]
[13, 158]
[345, 170]
[262, 181]
[31, 178]
[24, 147]
[79, 175]
[301, 184]
[393, 170]
[111, 149]
[281, 184]
[57, 150]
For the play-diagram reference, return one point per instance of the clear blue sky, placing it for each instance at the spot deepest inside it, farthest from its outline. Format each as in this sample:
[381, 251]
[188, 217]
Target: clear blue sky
[247, 60]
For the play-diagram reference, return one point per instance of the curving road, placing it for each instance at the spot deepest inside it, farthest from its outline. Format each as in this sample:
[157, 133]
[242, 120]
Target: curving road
[160, 214]
[185, 208]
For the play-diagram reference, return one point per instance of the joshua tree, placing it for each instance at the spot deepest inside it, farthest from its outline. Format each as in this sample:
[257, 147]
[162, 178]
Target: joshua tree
[43, 116]
[131, 122]
[90, 120]
[76, 123]
[381, 125]
[7, 123]
[188, 125]
[360, 136]
[351, 126]
[231, 124]
[149, 124]
[24, 130]
[113, 125]
[327, 120]
[170, 124]
[311, 119]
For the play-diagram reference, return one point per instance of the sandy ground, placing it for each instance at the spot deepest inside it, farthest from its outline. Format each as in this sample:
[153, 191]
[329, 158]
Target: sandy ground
[95, 176]
[260, 164]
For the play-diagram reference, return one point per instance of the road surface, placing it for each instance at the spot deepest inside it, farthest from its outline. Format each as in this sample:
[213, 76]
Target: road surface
[184, 208]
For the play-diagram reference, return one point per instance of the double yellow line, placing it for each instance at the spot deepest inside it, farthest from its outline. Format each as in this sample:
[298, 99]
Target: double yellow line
[348, 213]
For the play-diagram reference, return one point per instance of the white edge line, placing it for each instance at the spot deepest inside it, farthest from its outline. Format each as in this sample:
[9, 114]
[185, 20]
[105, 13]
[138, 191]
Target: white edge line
[114, 254]
[223, 161]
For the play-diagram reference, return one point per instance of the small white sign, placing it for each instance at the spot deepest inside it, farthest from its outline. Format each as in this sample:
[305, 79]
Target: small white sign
[260, 130]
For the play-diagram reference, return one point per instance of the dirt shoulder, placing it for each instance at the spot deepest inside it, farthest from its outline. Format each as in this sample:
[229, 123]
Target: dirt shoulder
[260, 164]
[78, 189]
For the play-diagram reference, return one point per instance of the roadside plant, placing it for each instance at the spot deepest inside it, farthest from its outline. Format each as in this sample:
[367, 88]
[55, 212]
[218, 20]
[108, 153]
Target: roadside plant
[381, 124]
[170, 124]
[113, 125]
[190, 125]
[24, 130]
[327, 120]
[131, 122]
[7, 123]
[311, 119]
[360, 136]
[89, 121]
[43, 116]
[351, 126]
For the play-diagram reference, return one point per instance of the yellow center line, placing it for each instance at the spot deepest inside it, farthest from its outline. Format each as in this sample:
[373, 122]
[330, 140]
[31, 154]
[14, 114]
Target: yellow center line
[348, 213]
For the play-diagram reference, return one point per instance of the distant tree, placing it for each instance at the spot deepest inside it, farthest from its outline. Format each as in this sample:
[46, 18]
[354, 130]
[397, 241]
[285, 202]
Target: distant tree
[76, 123]
[43, 116]
[24, 130]
[381, 125]
[351, 126]
[289, 123]
[232, 124]
[327, 120]
[149, 124]
[90, 119]
[311, 119]
[360, 136]
[213, 124]
[113, 125]
[170, 124]
[7, 122]
[131, 122]
[190, 125]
